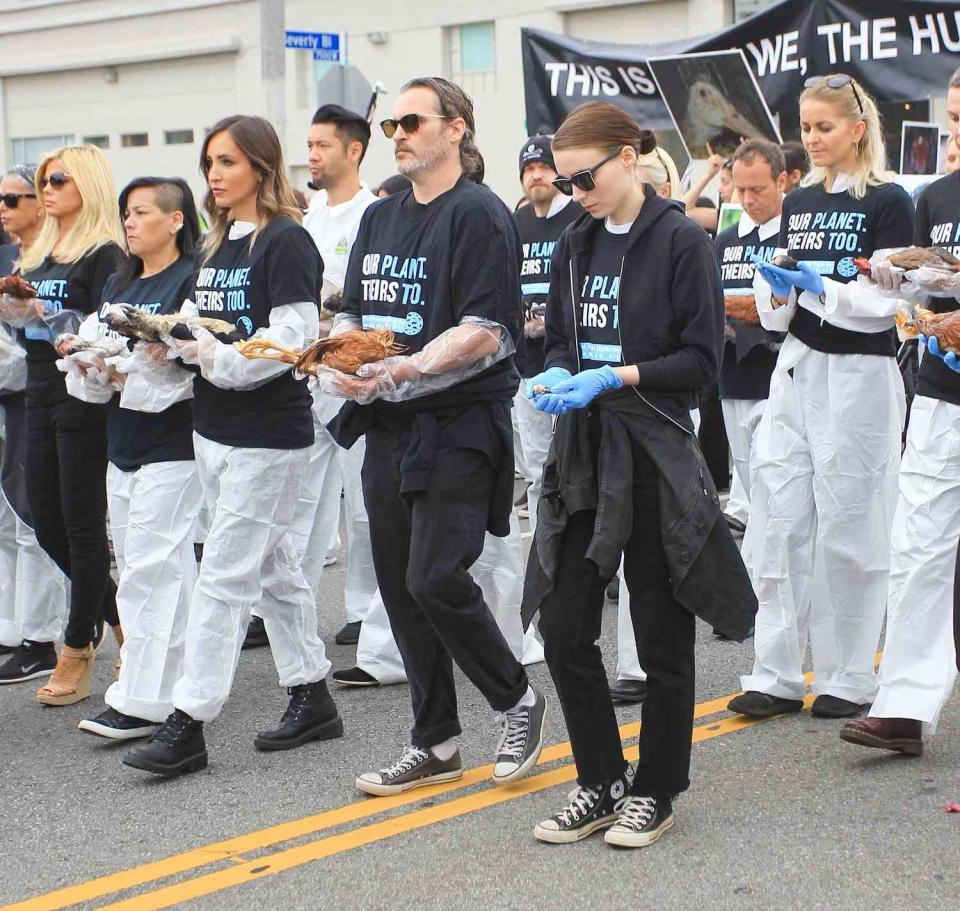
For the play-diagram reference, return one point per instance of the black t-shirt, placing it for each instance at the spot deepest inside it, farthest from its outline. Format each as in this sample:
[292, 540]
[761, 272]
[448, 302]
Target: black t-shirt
[135, 438]
[938, 224]
[63, 286]
[242, 286]
[598, 323]
[8, 256]
[419, 270]
[538, 237]
[829, 230]
[751, 356]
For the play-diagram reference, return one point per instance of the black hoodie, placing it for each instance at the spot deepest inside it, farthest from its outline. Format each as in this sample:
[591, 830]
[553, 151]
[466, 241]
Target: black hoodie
[670, 304]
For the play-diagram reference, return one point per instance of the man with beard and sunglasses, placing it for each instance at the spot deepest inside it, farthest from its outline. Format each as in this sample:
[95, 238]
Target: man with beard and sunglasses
[439, 266]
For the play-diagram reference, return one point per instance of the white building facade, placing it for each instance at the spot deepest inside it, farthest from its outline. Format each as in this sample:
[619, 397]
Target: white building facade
[145, 79]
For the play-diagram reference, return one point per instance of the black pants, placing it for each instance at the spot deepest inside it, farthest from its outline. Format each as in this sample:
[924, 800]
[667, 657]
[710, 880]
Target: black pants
[66, 479]
[570, 622]
[423, 547]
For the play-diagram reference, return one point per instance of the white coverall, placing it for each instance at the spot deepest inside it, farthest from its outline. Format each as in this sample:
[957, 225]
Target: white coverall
[248, 558]
[824, 486]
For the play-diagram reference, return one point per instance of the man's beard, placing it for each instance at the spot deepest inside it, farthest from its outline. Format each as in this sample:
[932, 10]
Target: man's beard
[428, 160]
[541, 194]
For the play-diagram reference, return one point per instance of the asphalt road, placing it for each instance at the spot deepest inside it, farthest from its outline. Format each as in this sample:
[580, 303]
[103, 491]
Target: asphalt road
[781, 815]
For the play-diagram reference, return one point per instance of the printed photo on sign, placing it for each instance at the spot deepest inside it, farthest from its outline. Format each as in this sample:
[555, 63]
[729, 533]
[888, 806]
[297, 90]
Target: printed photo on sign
[714, 101]
[919, 147]
[730, 213]
[943, 152]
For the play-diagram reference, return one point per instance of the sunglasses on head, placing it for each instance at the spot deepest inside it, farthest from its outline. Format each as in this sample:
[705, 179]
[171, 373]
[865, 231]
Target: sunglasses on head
[409, 122]
[12, 200]
[583, 180]
[58, 180]
[836, 82]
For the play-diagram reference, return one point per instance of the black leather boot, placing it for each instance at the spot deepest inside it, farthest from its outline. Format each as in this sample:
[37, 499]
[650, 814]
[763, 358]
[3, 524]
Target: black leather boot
[177, 747]
[311, 715]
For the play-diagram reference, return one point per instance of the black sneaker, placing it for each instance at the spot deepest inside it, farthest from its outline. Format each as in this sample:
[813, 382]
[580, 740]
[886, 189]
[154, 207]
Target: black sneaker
[589, 810]
[628, 691]
[520, 742]
[826, 706]
[117, 726]
[355, 676]
[29, 660]
[311, 715]
[416, 768]
[8, 649]
[642, 821]
[349, 635]
[762, 705]
[256, 636]
[177, 746]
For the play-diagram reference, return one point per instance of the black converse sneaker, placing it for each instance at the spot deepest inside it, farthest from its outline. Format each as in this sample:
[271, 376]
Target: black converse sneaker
[117, 726]
[29, 660]
[416, 768]
[521, 741]
[589, 810]
[642, 821]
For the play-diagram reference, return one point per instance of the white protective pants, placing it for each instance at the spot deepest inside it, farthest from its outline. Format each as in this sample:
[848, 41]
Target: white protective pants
[919, 668]
[499, 573]
[153, 514]
[248, 560]
[33, 590]
[535, 431]
[741, 418]
[823, 486]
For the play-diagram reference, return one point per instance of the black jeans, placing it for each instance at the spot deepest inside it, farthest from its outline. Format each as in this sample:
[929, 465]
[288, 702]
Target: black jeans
[66, 480]
[423, 547]
[570, 622]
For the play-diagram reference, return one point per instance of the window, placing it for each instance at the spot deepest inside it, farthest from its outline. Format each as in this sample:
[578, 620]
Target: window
[744, 8]
[472, 60]
[33, 149]
[178, 137]
[101, 142]
[134, 140]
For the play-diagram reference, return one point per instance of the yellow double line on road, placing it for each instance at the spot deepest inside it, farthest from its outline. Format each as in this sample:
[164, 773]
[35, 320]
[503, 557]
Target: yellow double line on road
[243, 871]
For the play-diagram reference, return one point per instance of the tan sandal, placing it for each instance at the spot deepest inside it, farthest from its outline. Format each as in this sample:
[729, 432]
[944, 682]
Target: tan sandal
[72, 678]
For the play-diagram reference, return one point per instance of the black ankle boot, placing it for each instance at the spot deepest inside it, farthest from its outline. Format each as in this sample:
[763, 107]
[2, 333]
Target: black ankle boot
[311, 715]
[178, 746]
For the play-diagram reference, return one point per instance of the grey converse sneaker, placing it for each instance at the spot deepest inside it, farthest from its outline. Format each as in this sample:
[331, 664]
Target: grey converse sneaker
[642, 821]
[521, 741]
[416, 768]
[589, 810]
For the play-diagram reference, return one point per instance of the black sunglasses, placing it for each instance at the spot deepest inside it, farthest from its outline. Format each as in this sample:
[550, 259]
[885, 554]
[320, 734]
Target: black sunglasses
[583, 180]
[58, 180]
[409, 122]
[836, 82]
[12, 200]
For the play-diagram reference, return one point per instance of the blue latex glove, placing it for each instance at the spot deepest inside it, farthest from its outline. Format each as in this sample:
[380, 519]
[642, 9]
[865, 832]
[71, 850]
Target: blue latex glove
[548, 378]
[948, 357]
[804, 278]
[549, 403]
[580, 390]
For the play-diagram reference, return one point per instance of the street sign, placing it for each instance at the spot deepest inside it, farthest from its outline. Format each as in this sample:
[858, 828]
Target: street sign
[325, 46]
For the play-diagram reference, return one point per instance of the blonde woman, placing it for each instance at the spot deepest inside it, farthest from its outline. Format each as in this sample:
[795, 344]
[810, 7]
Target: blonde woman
[253, 430]
[659, 169]
[77, 249]
[824, 476]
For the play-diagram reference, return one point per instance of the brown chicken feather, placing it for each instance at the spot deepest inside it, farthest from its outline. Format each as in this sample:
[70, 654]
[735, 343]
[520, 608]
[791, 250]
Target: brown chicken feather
[345, 352]
[742, 307]
[17, 286]
[914, 258]
[945, 327]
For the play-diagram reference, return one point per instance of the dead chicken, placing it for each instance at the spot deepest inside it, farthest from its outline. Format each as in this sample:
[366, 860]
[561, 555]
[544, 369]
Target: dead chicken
[742, 307]
[914, 258]
[345, 352]
[138, 324]
[945, 327]
[17, 286]
[67, 344]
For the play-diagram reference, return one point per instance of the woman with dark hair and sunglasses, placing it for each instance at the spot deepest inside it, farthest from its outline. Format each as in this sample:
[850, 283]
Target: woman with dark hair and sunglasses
[32, 593]
[77, 249]
[633, 329]
[152, 488]
[253, 429]
[827, 451]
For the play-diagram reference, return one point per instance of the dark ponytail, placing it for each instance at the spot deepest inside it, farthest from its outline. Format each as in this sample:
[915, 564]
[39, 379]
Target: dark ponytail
[601, 125]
